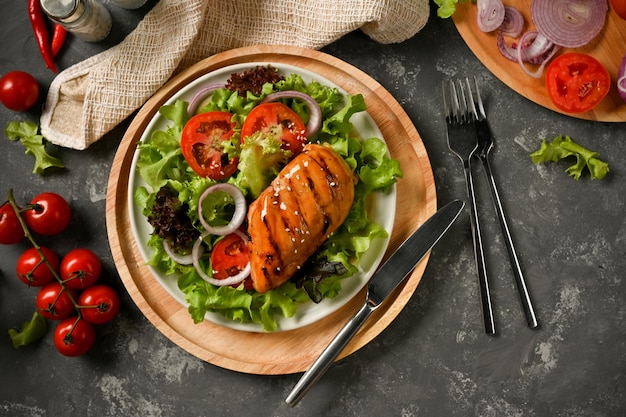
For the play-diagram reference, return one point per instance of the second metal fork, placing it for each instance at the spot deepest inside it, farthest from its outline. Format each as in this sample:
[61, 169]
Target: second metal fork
[485, 145]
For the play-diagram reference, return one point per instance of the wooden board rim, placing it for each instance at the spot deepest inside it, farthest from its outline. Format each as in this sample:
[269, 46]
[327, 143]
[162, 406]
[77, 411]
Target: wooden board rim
[605, 48]
[290, 351]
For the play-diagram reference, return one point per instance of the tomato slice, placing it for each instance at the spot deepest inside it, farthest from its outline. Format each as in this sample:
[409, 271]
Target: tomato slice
[229, 257]
[279, 120]
[577, 82]
[202, 147]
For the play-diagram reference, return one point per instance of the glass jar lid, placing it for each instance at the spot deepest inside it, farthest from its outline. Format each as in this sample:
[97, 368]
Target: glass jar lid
[63, 10]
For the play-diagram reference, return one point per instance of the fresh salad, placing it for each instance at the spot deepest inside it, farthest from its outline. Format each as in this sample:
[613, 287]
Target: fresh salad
[197, 187]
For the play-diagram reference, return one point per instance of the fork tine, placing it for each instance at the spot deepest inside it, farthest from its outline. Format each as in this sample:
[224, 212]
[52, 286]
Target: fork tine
[470, 100]
[446, 109]
[457, 112]
[481, 110]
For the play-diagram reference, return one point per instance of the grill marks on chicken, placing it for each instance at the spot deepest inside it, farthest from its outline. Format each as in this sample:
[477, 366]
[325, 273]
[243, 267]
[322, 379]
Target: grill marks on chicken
[291, 219]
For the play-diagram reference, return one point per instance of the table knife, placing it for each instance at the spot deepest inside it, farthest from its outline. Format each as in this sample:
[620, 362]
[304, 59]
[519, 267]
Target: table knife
[393, 272]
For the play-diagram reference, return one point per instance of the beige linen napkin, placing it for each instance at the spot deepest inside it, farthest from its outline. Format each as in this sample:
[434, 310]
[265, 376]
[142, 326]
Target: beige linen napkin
[90, 98]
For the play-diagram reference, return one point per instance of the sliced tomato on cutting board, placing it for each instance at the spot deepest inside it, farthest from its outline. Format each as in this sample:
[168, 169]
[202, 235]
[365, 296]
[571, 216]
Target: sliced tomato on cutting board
[577, 82]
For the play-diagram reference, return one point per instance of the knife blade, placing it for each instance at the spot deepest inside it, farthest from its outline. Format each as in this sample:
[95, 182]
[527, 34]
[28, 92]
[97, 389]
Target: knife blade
[393, 272]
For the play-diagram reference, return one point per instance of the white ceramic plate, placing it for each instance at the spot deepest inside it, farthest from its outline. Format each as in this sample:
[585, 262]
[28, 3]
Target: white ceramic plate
[382, 210]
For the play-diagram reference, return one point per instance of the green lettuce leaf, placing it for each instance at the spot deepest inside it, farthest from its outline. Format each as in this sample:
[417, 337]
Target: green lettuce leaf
[446, 8]
[30, 332]
[27, 134]
[563, 147]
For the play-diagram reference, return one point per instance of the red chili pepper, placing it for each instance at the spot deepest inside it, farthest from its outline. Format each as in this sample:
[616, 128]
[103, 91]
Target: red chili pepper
[38, 22]
[58, 39]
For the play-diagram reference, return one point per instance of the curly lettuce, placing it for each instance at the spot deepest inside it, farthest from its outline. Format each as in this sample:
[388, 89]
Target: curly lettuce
[563, 147]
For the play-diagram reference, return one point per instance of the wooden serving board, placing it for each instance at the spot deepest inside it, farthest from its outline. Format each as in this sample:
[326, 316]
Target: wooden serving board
[609, 47]
[280, 352]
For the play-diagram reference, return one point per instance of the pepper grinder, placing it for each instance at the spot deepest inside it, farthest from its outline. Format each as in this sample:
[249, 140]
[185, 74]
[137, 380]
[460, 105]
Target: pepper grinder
[89, 20]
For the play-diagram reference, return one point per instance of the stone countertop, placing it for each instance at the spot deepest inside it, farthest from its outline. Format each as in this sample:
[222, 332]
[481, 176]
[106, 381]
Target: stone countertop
[434, 359]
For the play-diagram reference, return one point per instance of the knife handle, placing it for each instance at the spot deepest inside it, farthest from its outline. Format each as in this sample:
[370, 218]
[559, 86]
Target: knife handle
[326, 359]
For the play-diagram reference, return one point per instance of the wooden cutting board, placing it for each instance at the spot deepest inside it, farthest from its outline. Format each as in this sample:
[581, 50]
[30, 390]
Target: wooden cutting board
[609, 48]
[288, 351]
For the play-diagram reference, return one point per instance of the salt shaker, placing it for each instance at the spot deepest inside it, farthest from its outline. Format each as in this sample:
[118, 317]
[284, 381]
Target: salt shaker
[130, 4]
[89, 20]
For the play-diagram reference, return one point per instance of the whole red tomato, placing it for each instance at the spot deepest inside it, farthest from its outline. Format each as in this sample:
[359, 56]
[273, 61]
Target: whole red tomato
[99, 304]
[19, 91]
[11, 231]
[50, 214]
[32, 269]
[74, 336]
[55, 302]
[620, 7]
[80, 268]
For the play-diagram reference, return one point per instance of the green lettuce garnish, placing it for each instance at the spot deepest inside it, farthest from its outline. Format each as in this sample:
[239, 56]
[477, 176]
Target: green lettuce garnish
[30, 332]
[446, 8]
[160, 163]
[28, 134]
[563, 147]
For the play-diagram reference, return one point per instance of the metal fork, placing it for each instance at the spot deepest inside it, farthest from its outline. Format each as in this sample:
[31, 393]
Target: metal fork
[482, 152]
[463, 142]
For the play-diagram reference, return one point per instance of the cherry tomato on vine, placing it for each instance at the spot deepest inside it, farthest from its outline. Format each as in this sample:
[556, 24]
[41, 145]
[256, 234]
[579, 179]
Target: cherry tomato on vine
[11, 231]
[32, 269]
[74, 336]
[80, 268]
[577, 82]
[230, 256]
[99, 304]
[19, 91]
[201, 144]
[54, 302]
[277, 119]
[50, 214]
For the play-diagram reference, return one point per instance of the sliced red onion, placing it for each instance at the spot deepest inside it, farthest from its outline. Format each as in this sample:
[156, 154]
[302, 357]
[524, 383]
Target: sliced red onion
[534, 50]
[240, 209]
[621, 79]
[513, 23]
[232, 280]
[540, 60]
[569, 23]
[315, 112]
[201, 95]
[179, 259]
[505, 49]
[490, 14]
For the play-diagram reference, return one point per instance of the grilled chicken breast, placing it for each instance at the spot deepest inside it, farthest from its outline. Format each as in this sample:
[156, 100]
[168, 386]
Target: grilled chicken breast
[309, 200]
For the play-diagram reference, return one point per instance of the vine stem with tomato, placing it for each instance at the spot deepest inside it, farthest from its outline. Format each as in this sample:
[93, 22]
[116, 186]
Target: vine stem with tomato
[18, 212]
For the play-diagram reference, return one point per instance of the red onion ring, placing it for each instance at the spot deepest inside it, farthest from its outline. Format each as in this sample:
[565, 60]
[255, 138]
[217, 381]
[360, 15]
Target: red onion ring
[179, 259]
[521, 57]
[201, 95]
[315, 112]
[513, 23]
[569, 23]
[490, 14]
[621, 80]
[232, 280]
[240, 209]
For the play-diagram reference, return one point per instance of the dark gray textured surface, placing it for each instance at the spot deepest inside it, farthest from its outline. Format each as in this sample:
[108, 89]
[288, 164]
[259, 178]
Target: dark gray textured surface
[434, 359]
